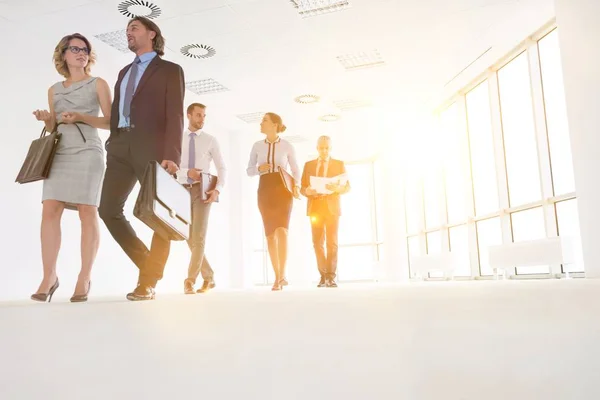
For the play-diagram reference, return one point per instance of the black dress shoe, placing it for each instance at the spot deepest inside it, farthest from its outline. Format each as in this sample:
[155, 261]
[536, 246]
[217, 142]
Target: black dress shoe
[322, 283]
[188, 287]
[141, 293]
[206, 286]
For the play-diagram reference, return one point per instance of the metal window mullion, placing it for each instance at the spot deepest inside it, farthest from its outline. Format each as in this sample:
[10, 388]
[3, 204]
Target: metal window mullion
[469, 192]
[500, 158]
[543, 146]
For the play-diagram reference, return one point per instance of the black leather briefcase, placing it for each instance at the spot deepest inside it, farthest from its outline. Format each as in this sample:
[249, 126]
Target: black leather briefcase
[163, 204]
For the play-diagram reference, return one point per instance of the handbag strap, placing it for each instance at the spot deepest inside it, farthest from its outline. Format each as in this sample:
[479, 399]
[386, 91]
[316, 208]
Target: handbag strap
[44, 130]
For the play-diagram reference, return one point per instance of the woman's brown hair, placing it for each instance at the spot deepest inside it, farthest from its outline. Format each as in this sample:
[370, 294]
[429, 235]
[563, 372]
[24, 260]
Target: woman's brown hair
[276, 119]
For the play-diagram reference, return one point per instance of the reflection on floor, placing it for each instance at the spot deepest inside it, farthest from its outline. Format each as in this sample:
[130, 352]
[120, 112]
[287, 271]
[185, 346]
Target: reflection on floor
[430, 340]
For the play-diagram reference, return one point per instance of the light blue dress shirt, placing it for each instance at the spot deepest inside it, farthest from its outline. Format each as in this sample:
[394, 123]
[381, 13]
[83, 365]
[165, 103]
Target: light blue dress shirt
[145, 59]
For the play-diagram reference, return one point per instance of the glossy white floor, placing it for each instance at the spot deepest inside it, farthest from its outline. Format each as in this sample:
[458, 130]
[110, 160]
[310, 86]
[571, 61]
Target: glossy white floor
[457, 340]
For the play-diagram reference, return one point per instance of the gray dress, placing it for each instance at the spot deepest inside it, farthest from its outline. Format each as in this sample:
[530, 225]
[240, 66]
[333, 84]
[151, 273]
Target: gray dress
[77, 171]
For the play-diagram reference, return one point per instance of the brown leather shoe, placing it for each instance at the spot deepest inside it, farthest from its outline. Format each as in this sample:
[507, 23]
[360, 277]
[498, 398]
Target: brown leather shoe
[141, 293]
[188, 287]
[206, 286]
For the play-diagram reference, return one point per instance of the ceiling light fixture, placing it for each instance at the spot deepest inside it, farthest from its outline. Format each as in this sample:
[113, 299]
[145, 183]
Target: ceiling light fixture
[205, 86]
[311, 8]
[329, 117]
[198, 51]
[115, 39]
[350, 104]
[252, 118]
[363, 59]
[307, 99]
[139, 8]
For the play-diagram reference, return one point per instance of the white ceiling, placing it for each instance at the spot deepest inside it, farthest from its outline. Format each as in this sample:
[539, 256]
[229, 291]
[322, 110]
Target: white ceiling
[266, 54]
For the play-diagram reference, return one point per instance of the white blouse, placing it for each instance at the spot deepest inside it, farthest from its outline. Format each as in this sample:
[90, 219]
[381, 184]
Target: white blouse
[279, 153]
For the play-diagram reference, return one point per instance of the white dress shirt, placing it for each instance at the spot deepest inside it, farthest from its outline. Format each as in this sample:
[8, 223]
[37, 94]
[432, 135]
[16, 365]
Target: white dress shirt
[279, 153]
[207, 150]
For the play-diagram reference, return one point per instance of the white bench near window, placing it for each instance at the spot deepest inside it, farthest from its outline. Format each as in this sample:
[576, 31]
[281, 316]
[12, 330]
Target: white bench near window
[554, 251]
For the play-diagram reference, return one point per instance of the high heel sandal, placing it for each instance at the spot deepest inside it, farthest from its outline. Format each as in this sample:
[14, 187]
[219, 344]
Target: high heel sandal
[277, 286]
[80, 298]
[46, 296]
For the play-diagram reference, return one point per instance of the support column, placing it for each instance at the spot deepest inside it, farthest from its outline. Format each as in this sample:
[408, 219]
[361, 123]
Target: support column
[578, 32]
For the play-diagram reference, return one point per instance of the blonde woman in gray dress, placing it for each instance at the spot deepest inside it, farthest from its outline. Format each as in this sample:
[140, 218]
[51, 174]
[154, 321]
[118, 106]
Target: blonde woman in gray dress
[77, 172]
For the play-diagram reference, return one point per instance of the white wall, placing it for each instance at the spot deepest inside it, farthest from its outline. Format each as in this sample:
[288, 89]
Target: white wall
[25, 80]
[578, 31]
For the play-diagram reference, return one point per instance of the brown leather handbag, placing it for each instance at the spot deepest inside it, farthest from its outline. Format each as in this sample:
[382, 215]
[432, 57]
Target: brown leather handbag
[39, 158]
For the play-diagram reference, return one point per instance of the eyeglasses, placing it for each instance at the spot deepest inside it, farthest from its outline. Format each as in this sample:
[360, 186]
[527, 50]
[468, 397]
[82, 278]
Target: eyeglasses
[76, 50]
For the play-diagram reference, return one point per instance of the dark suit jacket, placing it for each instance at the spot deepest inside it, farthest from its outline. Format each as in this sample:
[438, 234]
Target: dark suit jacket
[156, 107]
[320, 204]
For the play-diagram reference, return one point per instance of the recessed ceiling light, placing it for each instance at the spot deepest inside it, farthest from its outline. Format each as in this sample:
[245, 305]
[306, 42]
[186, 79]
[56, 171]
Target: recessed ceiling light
[205, 86]
[329, 117]
[363, 59]
[115, 39]
[307, 99]
[311, 8]
[139, 8]
[198, 51]
[252, 118]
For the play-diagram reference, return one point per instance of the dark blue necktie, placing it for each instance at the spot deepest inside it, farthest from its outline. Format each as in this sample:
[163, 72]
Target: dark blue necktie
[192, 155]
[130, 88]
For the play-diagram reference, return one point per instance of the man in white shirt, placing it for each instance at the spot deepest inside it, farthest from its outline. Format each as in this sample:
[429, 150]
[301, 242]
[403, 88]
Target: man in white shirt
[197, 151]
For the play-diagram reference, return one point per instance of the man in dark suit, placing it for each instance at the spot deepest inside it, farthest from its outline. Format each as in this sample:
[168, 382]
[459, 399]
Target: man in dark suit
[324, 209]
[146, 124]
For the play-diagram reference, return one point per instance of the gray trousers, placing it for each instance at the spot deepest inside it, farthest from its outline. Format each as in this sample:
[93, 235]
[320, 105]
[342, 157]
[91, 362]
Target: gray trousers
[200, 212]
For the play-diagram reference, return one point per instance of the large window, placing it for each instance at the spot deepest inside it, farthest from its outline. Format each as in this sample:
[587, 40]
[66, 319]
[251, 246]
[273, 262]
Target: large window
[486, 181]
[529, 225]
[482, 150]
[413, 200]
[556, 114]
[359, 235]
[456, 171]
[459, 246]
[432, 191]
[568, 227]
[358, 206]
[518, 130]
[489, 233]
[414, 250]
[434, 242]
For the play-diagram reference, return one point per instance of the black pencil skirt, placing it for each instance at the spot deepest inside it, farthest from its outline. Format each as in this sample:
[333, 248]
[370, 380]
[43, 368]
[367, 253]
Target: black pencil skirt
[274, 203]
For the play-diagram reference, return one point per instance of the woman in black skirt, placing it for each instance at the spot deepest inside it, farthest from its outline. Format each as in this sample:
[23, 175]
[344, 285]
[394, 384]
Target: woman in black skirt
[274, 200]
